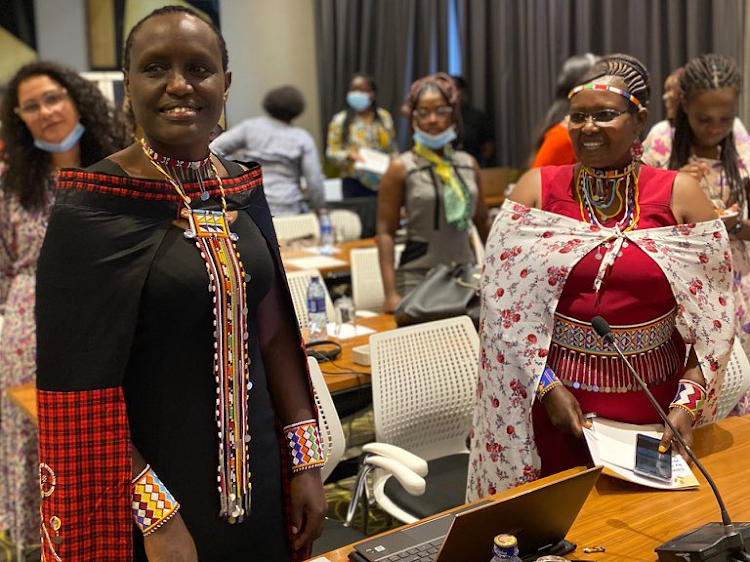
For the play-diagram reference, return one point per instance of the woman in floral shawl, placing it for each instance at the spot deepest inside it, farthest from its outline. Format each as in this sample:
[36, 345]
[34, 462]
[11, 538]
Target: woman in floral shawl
[639, 246]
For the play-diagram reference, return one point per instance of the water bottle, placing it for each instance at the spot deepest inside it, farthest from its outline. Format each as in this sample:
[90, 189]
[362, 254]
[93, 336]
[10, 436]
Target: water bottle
[505, 549]
[326, 233]
[316, 311]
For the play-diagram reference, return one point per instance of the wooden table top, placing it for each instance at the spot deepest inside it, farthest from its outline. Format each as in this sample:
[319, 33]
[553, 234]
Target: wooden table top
[630, 521]
[341, 253]
[335, 373]
[337, 380]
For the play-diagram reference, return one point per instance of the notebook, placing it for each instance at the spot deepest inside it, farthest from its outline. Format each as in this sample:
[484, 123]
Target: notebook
[539, 518]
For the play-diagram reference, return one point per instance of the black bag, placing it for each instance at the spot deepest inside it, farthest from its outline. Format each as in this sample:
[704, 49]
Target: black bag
[445, 292]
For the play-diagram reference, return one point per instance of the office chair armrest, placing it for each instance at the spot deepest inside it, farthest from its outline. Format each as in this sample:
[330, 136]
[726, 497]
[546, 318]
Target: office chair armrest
[404, 457]
[410, 480]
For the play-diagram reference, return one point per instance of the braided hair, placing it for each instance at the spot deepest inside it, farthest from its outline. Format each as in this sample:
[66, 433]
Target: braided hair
[445, 85]
[630, 70]
[350, 113]
[702, 74]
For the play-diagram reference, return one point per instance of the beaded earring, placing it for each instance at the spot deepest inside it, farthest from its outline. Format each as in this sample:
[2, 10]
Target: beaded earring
[636, 149]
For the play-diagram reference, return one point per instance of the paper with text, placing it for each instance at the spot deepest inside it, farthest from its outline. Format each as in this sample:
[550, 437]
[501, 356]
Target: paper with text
[612, 445]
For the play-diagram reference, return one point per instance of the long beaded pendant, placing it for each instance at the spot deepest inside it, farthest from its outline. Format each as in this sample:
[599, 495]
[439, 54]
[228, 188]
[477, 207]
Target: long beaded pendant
[212, 236]
[227, 283]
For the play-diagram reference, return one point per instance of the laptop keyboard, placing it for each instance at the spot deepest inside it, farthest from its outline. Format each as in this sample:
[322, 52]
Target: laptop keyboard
[426, 552]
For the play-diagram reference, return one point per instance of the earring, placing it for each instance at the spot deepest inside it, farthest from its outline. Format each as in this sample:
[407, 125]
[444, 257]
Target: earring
[636, 149]
[126, 104]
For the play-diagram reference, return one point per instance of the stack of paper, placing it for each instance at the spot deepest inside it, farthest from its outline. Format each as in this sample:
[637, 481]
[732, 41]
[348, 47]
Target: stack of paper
[612, 445]
[372, 161]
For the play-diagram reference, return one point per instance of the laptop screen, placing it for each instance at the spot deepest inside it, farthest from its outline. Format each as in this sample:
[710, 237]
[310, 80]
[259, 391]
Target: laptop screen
[539, 514]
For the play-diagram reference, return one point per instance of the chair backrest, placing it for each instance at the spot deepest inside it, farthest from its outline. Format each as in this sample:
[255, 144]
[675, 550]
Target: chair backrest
[736, 381]
[298, 283]
[476, 244]
[367, 282]
[346, 225]
[424, 380]
[329, 425]
[293, 227]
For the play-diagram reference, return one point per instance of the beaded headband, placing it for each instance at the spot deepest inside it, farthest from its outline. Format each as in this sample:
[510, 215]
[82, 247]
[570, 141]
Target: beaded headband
[627, 95]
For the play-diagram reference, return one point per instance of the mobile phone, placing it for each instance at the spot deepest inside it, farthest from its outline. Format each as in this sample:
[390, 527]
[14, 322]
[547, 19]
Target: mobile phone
[649, 462]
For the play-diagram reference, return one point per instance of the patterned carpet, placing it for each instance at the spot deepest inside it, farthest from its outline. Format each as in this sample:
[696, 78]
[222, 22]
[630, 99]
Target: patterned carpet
[359, 429]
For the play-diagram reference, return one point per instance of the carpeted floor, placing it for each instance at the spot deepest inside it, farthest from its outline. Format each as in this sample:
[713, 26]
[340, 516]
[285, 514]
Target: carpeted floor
[359, 429]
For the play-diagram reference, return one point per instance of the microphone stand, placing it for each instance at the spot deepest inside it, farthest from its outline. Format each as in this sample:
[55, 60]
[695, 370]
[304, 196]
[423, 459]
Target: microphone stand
[734, 537]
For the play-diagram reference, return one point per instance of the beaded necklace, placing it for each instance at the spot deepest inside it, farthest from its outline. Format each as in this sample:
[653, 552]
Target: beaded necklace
[227, 283]
[610, 250]
[592, 185]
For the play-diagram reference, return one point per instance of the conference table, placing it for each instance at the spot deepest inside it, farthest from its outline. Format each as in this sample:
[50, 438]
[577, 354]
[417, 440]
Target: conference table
[298, 257]
[629, 520]
[342, 375]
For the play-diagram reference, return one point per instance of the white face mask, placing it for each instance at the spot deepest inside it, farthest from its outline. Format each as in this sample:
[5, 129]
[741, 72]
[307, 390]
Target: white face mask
[64, 145]
[435, 142]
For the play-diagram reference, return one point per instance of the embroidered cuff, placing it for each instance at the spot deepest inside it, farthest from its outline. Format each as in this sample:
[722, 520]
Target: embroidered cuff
[690, 397]
[153, 504]
[548, 381]
[304, 445]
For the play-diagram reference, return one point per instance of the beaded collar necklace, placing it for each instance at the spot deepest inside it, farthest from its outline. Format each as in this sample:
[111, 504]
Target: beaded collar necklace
[184, 170]
[590, 205]
[227, 286]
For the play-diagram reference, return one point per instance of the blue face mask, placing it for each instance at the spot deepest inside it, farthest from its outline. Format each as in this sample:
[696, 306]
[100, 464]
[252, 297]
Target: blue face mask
[358, 101]
[435, 142]
[66, 144]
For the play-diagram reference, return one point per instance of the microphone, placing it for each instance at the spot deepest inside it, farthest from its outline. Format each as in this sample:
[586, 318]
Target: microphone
[726, 539]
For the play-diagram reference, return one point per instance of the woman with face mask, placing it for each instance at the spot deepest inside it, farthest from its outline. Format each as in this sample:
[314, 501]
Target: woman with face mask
[52, 119]
[361, 125]
[439, 187]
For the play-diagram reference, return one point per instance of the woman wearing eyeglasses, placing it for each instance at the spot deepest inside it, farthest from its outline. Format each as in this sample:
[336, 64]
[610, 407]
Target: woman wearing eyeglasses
[639, 246]
[52, 118]
[438, 186]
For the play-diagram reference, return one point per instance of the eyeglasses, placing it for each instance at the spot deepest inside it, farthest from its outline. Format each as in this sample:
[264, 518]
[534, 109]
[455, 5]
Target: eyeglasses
[442, 112]
[50, 100]
[601, 117]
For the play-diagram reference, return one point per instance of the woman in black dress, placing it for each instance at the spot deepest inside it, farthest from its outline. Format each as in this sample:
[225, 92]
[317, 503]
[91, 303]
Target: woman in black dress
[173, 389]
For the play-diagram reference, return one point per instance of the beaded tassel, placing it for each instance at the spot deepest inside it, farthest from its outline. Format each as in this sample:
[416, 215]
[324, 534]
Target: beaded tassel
[215, 241]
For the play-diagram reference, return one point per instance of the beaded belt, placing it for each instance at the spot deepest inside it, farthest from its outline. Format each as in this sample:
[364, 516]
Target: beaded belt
[582, 360]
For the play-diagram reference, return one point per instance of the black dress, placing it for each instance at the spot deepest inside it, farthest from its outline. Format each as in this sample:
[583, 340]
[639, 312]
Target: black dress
[170, 391]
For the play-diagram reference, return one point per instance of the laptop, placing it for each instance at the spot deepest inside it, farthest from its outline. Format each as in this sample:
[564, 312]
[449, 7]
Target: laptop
[539, 517]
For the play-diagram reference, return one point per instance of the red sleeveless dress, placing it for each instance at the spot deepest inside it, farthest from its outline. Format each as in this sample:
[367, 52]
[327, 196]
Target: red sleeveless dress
[637, 301]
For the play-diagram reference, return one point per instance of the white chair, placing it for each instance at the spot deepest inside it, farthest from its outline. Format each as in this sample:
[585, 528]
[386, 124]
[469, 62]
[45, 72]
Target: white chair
[333, 443]
[298, 283]
[346, 225]
[476, 244]
[367, 281]
[736, 381]
[424, 381]
[295, 227]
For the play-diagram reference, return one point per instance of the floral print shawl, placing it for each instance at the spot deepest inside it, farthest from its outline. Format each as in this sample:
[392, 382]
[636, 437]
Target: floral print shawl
[530, 253]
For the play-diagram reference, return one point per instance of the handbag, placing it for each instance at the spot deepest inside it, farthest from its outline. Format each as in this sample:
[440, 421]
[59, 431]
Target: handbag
[446, 291]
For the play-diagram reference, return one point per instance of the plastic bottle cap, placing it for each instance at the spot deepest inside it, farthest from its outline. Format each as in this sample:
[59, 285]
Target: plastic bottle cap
[506, 541]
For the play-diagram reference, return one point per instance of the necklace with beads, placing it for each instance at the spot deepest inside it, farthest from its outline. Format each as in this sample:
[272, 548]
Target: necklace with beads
[592, 186]
[227, 283]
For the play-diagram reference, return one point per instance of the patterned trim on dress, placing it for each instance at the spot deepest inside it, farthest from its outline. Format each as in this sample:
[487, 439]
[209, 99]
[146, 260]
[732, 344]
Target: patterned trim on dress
[154, 190]
[582, 361]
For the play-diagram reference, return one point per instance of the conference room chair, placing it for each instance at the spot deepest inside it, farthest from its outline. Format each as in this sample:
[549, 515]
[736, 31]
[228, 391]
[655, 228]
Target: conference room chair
[736, 381]
[367, 282]
[347, 225]
[296, 227]
[299, 281]
[333, 444]
[424, 381]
